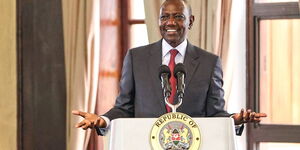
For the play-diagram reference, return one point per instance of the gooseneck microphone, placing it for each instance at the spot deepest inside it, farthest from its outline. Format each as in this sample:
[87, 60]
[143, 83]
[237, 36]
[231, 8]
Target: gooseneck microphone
[179, 73]
[164, 76]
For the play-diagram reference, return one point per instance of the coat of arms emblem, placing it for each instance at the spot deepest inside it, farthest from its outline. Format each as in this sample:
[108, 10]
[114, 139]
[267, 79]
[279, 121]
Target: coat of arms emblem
[175, 131]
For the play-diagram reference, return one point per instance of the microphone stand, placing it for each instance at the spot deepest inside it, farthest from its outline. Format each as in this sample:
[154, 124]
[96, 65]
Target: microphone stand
[173, 107]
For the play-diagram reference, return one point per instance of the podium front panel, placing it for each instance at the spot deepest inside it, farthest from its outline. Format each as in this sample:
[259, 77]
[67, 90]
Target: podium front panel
[134, 134]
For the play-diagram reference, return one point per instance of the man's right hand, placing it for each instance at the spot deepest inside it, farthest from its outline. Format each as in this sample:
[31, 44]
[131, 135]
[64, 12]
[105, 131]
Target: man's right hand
[90, 120]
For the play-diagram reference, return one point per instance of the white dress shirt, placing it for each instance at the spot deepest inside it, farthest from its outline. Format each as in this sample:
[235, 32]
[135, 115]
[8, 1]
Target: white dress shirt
[166, 47]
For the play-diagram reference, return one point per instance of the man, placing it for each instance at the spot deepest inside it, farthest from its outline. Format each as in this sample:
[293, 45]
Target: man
[140, 90]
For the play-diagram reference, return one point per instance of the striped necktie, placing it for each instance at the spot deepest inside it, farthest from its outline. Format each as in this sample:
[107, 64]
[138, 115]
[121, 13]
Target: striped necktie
[173, 53]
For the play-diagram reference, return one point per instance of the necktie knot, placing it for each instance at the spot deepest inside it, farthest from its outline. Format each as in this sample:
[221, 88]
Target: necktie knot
[173, 53]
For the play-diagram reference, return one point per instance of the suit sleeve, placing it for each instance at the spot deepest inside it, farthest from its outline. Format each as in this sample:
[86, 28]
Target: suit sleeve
[124, 106]
[215, 97]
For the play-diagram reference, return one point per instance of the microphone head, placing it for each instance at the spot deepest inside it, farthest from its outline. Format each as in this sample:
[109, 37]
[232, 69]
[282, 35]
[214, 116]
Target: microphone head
[164, 69]
[179, 68]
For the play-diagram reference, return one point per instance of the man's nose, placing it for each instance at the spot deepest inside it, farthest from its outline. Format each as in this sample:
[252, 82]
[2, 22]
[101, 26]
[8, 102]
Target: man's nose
[171, 21]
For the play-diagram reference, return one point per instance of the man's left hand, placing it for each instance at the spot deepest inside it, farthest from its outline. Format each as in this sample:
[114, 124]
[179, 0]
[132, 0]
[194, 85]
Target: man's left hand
[248, 116]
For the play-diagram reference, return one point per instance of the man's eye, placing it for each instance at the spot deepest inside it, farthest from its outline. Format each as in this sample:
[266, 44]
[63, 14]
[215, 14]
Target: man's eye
[163, 17]
[179, 17]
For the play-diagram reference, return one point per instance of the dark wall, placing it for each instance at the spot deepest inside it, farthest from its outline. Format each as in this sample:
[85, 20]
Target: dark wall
[41, 76]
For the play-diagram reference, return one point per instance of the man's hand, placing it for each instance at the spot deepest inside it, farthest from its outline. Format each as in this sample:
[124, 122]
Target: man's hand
[90, 120]
[248, 116]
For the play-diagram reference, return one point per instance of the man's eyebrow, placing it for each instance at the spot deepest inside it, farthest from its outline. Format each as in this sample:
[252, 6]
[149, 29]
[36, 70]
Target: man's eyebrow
[180, 13]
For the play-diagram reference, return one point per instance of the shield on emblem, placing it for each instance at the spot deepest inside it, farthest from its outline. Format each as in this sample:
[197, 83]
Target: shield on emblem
[175, 137]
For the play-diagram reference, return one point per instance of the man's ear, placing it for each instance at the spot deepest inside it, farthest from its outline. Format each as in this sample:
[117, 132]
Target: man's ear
[192, 19]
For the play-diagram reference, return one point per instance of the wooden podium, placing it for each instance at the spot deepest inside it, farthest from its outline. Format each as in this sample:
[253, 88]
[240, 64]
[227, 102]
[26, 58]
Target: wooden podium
[134, 134]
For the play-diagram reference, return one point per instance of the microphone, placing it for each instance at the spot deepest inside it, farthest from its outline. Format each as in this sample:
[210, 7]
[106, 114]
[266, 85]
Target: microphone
[164, 76]
[179, 73]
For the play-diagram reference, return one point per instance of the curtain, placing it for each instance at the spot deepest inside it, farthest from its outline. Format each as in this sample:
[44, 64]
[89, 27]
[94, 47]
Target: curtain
[234, 63]
[110, 65]
[152, 8]
[9, 138]
[81, 40]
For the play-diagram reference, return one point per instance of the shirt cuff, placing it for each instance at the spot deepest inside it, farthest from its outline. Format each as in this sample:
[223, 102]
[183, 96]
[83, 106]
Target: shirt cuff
[238, 128]
[106, 120]
[103, 131]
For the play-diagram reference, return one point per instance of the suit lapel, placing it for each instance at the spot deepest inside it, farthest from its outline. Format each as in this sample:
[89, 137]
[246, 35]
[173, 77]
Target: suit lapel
[190, 62]
[154, 62]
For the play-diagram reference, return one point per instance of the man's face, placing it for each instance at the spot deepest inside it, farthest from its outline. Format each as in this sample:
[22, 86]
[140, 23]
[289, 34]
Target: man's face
[174, 22]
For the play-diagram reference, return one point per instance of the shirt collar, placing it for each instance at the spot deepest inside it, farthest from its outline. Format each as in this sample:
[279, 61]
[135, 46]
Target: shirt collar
[166, 47]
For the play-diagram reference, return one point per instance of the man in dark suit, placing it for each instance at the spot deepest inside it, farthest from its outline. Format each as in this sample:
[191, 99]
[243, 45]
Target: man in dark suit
[140, 90]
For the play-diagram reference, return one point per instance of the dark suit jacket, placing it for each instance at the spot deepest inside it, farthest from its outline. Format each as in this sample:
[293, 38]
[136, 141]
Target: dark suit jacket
[141, 92]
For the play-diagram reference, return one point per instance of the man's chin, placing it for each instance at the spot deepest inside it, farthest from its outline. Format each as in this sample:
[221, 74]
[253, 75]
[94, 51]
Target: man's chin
[171, 41]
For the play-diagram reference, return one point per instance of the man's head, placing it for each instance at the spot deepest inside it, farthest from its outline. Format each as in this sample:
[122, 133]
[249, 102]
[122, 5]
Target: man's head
[174, 21]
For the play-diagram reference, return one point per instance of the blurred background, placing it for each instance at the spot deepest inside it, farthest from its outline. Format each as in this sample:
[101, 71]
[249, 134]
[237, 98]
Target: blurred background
[61, 55]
